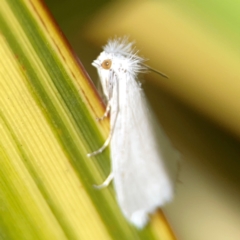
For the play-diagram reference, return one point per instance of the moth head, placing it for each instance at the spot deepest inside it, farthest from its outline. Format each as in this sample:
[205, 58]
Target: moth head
[103, 62]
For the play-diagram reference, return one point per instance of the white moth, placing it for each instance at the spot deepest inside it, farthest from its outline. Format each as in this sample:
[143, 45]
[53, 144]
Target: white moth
[144, 163]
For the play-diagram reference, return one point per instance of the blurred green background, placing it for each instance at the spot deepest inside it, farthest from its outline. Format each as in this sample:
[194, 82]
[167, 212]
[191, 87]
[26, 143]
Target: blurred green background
[197, 44]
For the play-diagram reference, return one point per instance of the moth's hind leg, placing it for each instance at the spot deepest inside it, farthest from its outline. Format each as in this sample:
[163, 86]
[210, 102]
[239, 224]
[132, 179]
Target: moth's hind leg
[106, 182]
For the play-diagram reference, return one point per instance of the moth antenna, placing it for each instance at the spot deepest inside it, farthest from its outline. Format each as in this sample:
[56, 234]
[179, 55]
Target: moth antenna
[156, 71]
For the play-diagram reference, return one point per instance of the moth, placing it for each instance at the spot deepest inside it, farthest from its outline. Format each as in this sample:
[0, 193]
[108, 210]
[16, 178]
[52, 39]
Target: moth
[144, 163]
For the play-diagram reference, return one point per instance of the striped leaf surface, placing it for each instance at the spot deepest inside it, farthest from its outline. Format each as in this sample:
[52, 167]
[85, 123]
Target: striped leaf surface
[48, 108]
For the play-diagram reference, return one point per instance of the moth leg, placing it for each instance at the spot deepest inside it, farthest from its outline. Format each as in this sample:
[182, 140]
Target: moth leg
[106, 142]
[101, 148]
[105, 113]
[114, 115]
[110, 134]
[106, 182]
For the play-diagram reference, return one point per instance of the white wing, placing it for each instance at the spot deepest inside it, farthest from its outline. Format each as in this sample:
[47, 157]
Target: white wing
[144, 163]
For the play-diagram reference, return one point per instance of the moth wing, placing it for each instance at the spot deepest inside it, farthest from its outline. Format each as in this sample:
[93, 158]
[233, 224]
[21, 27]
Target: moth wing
[144, 163]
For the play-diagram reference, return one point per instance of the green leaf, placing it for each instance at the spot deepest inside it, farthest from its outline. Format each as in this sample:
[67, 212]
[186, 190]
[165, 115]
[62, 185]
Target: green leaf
[48, 108]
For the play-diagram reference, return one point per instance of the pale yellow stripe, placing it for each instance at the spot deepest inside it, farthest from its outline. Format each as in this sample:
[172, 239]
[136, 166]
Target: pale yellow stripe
[68, 61]
[34, 205]
[41, 72]
[160, 227]
[48, 159]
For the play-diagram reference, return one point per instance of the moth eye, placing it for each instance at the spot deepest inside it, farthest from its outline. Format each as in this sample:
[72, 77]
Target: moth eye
[106, 64]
